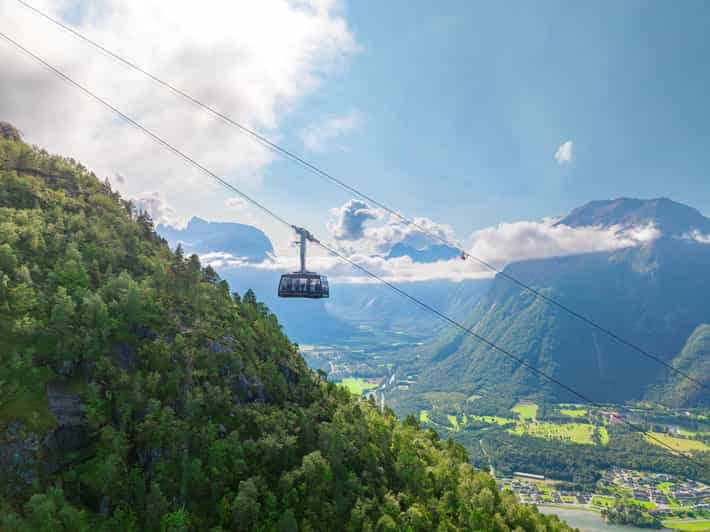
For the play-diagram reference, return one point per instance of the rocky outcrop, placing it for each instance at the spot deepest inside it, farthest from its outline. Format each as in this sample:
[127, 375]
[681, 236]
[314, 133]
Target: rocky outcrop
[124, 356]
[70, 441]
[249, 391]
[18, 457]
[65, 405]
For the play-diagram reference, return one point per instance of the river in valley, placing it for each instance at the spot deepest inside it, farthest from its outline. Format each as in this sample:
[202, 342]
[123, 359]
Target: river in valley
[586, 520]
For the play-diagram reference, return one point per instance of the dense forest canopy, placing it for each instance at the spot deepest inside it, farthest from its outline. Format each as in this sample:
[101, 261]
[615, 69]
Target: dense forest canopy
[138, 393]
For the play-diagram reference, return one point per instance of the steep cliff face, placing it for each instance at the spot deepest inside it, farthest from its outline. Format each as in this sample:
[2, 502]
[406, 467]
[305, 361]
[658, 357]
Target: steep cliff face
[138, 393]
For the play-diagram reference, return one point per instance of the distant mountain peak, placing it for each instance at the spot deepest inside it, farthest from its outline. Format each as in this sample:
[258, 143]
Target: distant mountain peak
[670, 217]
[202, 236]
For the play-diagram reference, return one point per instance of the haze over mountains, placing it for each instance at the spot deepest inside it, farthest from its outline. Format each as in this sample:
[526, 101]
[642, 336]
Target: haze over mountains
[352, 304]
[651, 294]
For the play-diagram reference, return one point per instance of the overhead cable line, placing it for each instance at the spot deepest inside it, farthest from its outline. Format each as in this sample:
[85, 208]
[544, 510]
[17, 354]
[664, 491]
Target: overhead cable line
[403, 293]
[349, 188]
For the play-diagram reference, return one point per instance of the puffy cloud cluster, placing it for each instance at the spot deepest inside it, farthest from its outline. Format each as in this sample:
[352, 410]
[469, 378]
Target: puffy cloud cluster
[236, 203]
[420, 234]
[400, 269]
[350, 223]
[698, 237]
[499, 246]
[250, 60]
[222, 259]
[564, 152]
[317, 136]
[510, 242]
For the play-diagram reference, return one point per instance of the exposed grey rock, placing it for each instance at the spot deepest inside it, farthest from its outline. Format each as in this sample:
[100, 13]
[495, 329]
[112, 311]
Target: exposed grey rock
[224, 344]
[65, 405]
[66, 368]
[230, 369]
[124, 356]
[291, 376]
[250, 392]
[14, 428]
[258, 390]
[105, 506]
[243, 385]
[144, 332]
[217, 347]
[70, 441]
[18, 457]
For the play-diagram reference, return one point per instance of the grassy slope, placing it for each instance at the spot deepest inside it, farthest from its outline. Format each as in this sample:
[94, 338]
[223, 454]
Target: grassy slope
[687, 525]
[679, 444]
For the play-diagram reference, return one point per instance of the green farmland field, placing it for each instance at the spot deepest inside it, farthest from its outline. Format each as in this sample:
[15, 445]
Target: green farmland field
[679, 444]
[525, 410]
[357, 385]
[573, 413]
[574, 432]
[680, 524]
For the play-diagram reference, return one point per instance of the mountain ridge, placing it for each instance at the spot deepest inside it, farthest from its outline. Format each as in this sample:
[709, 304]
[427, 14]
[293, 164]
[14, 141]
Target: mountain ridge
[201, 236]
[670, 217]
[650, 295]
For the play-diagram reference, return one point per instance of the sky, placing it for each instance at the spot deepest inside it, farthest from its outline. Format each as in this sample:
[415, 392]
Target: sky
[478, 118]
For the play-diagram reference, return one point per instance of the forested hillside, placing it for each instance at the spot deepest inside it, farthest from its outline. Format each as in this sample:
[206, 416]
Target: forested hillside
[138, 393]
[694, 359]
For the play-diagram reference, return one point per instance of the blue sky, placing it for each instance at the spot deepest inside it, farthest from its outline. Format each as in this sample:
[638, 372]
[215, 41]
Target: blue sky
[451, 111]
[464, 107]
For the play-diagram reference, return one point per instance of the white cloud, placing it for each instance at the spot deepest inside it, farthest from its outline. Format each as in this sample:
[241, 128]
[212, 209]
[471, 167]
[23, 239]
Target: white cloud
[398, 231]
[317, 136]
[348, 221]
[235, 203]
[511, 242]
[564, 152]
[372, 230]
[155, 204]
[251, 60]
[500, 246]
[697, 236]
[400, 269]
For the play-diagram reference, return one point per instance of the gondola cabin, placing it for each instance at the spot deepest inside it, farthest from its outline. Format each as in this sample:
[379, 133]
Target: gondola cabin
[304, 285]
